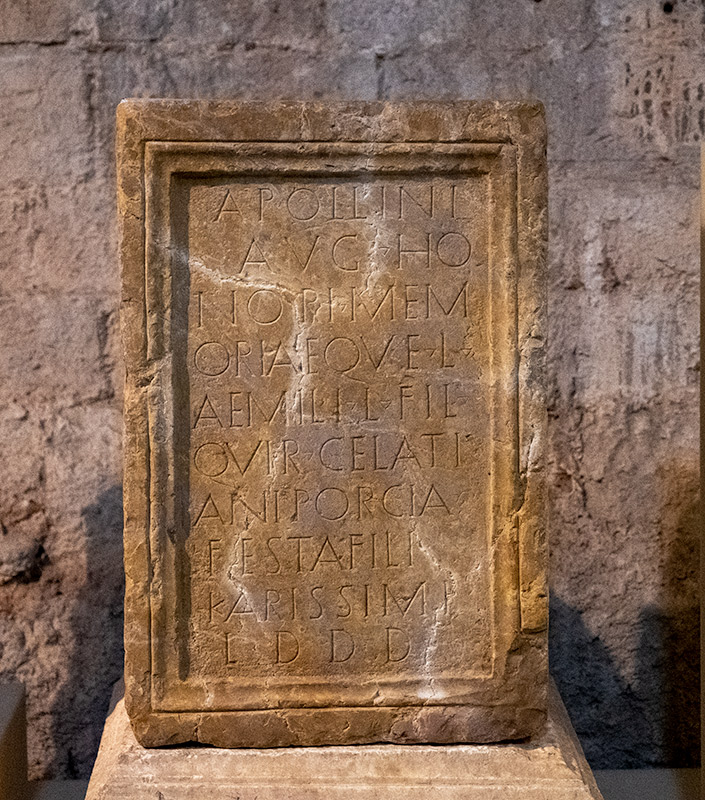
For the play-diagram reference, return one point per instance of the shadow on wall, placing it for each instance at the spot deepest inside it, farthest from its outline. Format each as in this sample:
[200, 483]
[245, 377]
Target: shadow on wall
[668, 659]
[96, 659]
[656, 720]
[600, 703]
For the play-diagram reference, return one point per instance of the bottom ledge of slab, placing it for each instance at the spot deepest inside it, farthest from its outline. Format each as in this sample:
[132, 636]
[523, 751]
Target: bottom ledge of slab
[551, 766]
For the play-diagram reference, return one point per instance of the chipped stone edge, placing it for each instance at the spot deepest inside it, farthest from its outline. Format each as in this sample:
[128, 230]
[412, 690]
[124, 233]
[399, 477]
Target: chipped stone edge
[520, 124]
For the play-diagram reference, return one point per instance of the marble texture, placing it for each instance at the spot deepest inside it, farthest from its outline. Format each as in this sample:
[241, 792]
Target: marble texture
[333, 318]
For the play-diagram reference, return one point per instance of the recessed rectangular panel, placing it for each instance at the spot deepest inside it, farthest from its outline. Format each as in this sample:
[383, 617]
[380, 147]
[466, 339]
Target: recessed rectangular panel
[334, 524]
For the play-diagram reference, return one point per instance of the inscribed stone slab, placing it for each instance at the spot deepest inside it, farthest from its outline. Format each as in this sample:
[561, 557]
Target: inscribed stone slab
[333, 327]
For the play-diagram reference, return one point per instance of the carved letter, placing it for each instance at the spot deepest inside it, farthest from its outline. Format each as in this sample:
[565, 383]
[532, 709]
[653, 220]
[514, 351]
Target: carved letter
[398, 645]
[342, 646]
[287, 647]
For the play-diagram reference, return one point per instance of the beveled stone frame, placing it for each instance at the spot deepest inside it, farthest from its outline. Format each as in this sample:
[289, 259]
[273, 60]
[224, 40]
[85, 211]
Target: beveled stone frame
[160, 139]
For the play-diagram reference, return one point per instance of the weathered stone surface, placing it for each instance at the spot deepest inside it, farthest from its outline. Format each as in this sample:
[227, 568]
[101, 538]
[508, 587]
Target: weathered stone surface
[335, 418]
[550, 767]
[32, 21]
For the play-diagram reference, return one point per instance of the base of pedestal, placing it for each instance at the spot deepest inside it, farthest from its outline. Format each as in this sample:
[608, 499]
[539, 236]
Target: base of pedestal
[549, 767]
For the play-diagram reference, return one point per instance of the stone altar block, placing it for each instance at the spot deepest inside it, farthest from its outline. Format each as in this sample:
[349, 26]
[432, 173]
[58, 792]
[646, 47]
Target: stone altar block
[333, 318]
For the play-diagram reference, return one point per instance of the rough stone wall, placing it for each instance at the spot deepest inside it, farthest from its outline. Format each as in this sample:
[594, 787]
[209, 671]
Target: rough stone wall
[624, 86]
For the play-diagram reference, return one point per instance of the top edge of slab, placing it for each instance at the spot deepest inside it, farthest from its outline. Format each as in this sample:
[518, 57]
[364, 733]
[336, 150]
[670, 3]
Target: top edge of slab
[223, 120]
[364, 106]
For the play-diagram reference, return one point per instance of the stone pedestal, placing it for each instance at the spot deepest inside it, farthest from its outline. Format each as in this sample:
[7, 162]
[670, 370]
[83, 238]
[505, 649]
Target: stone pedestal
[549, 767]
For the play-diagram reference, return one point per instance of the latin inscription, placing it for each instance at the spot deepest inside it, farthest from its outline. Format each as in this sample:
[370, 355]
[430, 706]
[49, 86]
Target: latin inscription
[339, 426]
